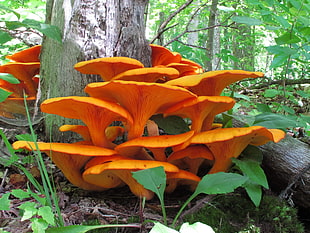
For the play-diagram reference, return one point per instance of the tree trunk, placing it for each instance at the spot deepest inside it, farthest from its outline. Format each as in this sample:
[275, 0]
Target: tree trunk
[213, 42]
[287, 165]
[90, 29]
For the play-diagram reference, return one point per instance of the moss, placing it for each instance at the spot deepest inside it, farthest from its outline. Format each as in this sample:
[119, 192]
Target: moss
[236, 213]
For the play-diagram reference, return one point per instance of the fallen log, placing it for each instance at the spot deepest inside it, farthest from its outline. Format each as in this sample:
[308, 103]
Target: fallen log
[287, 166]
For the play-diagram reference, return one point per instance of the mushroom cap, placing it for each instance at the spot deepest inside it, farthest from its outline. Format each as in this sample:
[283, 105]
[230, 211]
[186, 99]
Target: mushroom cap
[141, 99]
[97, 114]
[69, 158]
[23, 72]
[163, 56]
[11, 107]
[31, 54]
[227, 143]
[151, 74]
[108, 67]
[212, 83]
[157, 144]
[123, 169]
[201, 110]
[18, 90]
[181, 177]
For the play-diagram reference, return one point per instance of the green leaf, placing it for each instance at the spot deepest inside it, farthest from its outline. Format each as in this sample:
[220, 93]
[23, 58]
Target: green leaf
[4, 37]
[9, 78]
[20, 194]
[171, 124]
[160, 228]
[288, 109]
[271, 93]
[279, 60]
[12, 25]
[51, 31]
[2, 7]
[274, 121]
[219, 183]
[83, 229]
[247, 20]
[281, 50]
[29, 210]
[153, 179]
[4, 94]
[47, 214]
[5, 202]
[287, 38]
[262, 108]
[282, 21]
[253, 170]
[25, 137]
[253, 153]
[38, 225]
[254, 191]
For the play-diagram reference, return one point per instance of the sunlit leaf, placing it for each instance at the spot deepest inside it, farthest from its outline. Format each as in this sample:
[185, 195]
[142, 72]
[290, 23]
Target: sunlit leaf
[274, 121]
[20, 194]
[4, 94]
[4, 37]
[247, 20]
[254, 191]
[47, 214]
[5, 202]
[271, 93]
[2, 7]
[9, 78]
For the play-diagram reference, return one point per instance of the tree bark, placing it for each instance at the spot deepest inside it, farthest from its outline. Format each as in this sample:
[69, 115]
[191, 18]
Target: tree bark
[287, 166]
[90, 29]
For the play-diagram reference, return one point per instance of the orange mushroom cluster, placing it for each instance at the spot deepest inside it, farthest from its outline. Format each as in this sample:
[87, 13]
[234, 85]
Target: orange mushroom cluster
[130, 95]
[25, 66]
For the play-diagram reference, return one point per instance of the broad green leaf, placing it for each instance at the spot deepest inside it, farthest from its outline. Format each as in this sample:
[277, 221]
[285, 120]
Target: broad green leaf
[288, 109]
[9, 78]
[8, 145]
[4, 94]
[51, 31]
[171, 124]
[24, 137]
[47, 214]
[20, 194]
[282, 21]
[5, 202]
[219, 183]
[247, 20]
[287, 38]
[254, 191]
[83, 229]
[12, 25]
[38, 225]
[4, 37]
[253, 170]
[2, 7]
[160, 228]
[262, 108]
[281, 50]
[270, 93]
[274, 121]
[29, 210]
[253, 153]
[279, 60]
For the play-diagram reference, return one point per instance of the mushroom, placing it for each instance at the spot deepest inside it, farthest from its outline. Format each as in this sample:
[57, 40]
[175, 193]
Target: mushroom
[11, 107]
[123, 169]
[111, 132]
[108, 67]
[227, 143]
[212, 83]
[148, 74]
[201, 110]
[140, 99]
[97, 114]
[69, 158]
[191, 157]
[162, 56]
[156, 144]
[181, 177]
[27, 55]
[23, 72]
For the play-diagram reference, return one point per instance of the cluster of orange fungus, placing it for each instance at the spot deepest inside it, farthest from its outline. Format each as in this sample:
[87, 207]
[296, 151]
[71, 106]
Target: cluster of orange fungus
[130, 95]
[24, 66]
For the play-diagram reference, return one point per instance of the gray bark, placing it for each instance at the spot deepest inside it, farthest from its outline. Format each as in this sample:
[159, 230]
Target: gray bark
[91, 29]
[287, 165]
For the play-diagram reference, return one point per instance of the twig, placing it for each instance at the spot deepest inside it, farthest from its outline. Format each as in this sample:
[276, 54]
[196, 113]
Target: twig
[3, 179]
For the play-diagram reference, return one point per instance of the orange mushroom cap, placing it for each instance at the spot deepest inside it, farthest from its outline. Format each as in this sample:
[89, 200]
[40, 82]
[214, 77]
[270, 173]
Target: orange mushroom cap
[212, 83]
[163, 56]
[97, 114]
[23, 72]
[156, 144]
[201, 110]
[69, 158]
[148, 74]
[142, 100]
[123, 169]
[227, 143]
[181, 177]
[31, 54]
[108, 67]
